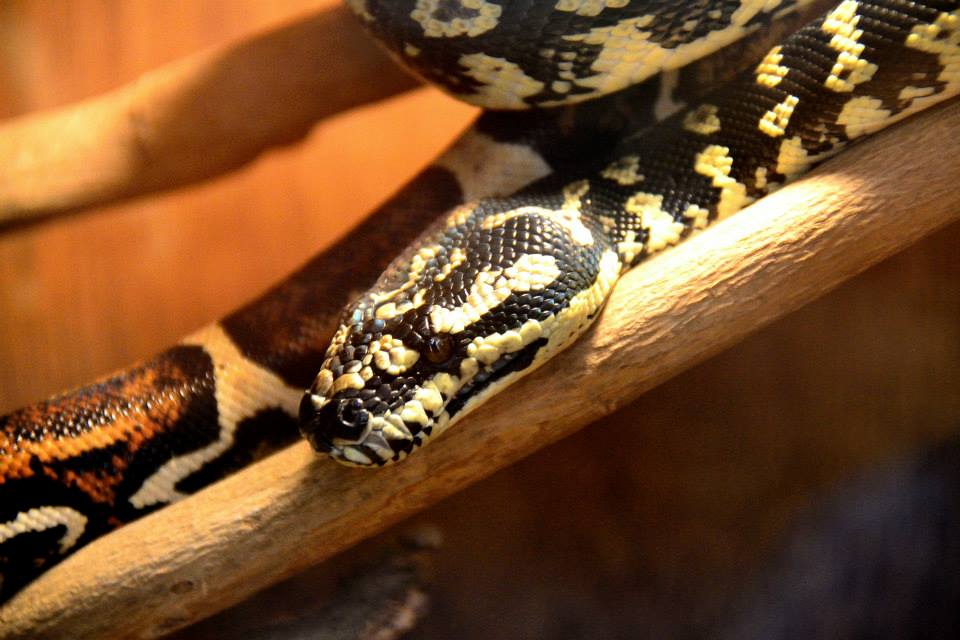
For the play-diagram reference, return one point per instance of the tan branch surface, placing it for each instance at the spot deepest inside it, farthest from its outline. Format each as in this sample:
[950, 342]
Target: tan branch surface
[192, 119]
[295, 509]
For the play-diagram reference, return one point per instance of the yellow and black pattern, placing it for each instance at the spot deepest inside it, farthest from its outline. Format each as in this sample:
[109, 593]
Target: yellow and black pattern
[483, 52]
[504, 283]
[544, 210]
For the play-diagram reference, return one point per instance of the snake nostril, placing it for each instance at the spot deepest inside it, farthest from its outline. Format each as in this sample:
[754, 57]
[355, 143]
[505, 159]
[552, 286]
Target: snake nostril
[352, 419]
[322, 423]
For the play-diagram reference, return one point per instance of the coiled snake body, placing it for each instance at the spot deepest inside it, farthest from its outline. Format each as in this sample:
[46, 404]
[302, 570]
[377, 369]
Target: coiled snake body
[543, 210]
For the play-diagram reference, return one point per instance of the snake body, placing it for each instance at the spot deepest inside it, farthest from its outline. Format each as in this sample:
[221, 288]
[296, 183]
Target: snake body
[544, 210]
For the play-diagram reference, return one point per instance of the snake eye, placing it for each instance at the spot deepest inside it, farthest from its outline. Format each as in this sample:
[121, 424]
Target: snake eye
[439, 348]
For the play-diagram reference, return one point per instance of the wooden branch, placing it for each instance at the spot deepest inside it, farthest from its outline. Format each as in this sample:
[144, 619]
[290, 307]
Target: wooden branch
[192, 119]
[295, 508]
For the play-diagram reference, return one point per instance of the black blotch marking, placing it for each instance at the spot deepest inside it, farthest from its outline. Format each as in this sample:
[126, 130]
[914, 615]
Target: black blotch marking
[255, 437]
[24, 557]
[510, 363]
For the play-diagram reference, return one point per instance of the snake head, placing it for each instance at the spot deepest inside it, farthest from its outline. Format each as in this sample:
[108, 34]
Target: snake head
[386, 388]
[471, 307]
[383, 389]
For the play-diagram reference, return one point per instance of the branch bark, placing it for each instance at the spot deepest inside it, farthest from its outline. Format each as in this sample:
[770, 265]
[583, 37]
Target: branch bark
[295, 509]
[193, 119]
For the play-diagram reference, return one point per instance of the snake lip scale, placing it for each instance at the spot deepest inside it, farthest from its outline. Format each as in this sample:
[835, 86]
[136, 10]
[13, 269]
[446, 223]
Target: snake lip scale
[585, 163]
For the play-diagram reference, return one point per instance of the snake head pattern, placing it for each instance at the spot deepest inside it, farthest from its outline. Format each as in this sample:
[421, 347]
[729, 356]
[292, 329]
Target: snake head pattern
[484, 297]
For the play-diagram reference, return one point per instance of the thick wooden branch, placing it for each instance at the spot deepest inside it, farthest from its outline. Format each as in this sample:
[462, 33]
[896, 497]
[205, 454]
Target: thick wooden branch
[295, 509]
[192, 119]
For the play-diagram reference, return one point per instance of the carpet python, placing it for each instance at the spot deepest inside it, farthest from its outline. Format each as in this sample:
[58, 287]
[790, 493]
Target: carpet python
[615, 128]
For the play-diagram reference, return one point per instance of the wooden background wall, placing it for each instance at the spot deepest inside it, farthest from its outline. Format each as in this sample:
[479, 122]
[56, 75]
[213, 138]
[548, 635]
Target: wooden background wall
[638, 527]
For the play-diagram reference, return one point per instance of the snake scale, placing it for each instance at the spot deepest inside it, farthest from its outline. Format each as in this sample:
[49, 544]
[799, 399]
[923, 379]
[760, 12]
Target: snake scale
[585, 163]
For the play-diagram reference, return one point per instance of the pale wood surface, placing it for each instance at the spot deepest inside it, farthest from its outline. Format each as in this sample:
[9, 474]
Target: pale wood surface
[293, 509]
[193, 119]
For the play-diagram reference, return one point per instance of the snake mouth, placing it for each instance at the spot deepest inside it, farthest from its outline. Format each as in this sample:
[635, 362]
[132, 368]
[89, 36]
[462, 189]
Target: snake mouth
[359, 428]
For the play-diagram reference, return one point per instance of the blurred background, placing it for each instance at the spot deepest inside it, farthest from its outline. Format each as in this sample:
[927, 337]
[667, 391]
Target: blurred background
[772, 482]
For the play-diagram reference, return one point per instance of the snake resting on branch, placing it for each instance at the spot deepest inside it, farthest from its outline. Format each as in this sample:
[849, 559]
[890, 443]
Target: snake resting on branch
[615, 129]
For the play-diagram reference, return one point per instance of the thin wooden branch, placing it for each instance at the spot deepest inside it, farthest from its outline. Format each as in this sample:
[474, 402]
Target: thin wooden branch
[192, 119]
[295, 508]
